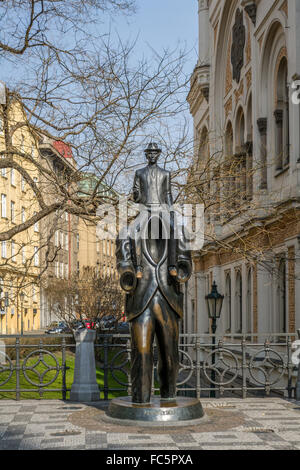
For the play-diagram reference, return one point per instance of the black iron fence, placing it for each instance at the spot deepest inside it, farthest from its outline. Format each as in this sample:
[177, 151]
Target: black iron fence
[34, 365]
[239, 365]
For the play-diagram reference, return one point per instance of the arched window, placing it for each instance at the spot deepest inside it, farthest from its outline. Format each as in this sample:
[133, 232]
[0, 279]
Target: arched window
[249, 152]
[272, 84]
[281, 114]
[228, 303]
[228, 170]
[229, 142]
[281, 297]
[238, 303]
[249, 302]
[203, 171]
[203, 147]
[240, 156]
[240, 130]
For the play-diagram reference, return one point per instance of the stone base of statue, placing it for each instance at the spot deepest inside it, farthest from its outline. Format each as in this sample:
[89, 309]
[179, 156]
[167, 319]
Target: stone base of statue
[179, 411]
[85, 387]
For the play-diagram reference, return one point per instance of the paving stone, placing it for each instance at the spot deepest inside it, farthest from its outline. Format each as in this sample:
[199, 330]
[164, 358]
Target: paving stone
[181, 438]
[55, 426]
[10, 444]
[52, 441]
[96, 439]
[22, 418]
[33, 435]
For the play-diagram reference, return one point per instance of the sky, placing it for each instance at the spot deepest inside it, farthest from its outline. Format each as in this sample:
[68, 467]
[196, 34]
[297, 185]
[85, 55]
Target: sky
[162, 23]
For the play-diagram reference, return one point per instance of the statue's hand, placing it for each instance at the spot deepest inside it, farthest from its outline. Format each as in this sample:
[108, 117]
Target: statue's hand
[184, 271]
[128, 281]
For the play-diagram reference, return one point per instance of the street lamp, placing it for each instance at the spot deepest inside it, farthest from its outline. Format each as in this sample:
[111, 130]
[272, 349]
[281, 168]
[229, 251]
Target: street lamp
[22, 296]
[214, 302]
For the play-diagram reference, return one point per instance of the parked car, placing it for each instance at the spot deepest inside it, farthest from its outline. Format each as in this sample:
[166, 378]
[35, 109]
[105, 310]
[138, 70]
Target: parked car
[123, 327]
[61, 327]
[109, 322]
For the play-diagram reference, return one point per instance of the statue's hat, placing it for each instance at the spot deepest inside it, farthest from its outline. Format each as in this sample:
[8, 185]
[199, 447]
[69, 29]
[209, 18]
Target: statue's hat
[152, 147]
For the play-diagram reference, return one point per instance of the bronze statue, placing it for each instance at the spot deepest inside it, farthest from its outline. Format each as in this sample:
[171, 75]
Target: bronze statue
[151, 270]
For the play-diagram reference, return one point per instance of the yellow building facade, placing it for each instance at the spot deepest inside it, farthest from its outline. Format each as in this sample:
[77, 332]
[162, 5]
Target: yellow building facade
[19, 255]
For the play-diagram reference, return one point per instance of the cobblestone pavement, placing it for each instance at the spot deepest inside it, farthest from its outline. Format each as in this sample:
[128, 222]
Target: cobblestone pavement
[254, 423]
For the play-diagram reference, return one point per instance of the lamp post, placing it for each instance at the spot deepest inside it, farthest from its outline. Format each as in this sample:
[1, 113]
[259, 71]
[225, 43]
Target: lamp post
[22, 296]
[214, 302]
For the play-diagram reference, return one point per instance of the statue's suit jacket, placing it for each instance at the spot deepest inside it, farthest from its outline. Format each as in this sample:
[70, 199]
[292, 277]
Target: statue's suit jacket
[155, 274]
[143, 186]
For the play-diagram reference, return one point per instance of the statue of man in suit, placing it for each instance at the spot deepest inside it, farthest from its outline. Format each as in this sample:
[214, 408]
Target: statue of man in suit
[151, 277]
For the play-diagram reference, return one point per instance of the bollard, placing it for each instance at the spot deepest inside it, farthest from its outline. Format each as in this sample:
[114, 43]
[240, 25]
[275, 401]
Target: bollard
[85, 387]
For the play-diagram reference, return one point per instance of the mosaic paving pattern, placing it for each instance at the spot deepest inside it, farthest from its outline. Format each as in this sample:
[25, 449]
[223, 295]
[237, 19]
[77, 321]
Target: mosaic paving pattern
[272, 424]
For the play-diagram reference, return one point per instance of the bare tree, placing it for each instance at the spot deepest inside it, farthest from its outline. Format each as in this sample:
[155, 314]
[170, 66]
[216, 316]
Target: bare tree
[86, 296]
[75, 84]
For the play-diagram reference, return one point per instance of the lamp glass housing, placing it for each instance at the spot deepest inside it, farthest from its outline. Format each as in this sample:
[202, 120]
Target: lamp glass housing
[214, 302]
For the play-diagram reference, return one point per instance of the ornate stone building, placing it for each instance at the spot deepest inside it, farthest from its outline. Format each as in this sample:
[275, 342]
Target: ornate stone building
[240, 100]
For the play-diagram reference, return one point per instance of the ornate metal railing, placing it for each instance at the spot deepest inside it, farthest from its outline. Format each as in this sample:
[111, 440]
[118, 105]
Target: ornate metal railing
[239, 365]
[27, 365]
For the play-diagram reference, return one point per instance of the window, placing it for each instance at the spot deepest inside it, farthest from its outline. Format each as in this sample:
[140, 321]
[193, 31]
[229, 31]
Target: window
[77, 240]
[32, 151]
[56, 269]
[66, 241]
[249, 302]
[61, 270]
[56, 238]
[12, 211]
[240, 157]
[36, 225]
[62, 239]
[3, 170]
[281, 115]
[281, 297]
[228, 303]
[3, 205]
[12, 177]
[23, 255]
[13, 251]
[249, 152]
[22, 183]
[23, 216]
[238, 303]
[3, 249]
[36, 256]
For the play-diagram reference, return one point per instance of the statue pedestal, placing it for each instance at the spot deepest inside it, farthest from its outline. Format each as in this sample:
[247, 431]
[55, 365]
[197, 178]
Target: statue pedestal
[180, 411]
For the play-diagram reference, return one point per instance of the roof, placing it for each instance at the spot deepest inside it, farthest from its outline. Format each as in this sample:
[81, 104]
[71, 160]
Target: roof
[63, 148]
[88, 182]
